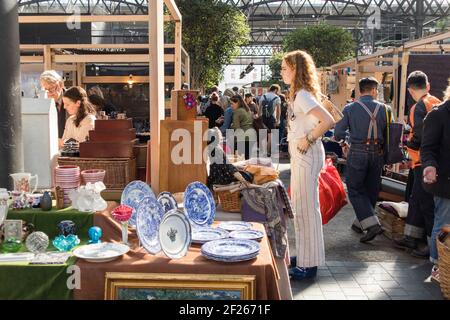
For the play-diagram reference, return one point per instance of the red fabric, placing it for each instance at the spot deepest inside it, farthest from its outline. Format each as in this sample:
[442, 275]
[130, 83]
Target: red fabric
[332, 195]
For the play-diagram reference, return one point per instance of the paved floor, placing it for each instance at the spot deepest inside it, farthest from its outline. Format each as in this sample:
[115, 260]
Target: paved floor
[357, 271]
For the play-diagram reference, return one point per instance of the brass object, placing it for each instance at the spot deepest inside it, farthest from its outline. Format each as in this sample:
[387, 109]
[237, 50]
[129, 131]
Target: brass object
[59, 192]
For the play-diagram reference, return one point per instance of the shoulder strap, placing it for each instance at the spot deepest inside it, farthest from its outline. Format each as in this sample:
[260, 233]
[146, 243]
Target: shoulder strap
[373, 127]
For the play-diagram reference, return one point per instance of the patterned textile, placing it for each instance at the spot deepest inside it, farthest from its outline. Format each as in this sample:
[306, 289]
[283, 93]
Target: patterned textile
[267, 200]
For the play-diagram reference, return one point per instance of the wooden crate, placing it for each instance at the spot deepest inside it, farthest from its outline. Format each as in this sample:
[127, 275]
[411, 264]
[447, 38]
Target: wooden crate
[108, 149]
[392, 225]
[178, 109]
[119, 171]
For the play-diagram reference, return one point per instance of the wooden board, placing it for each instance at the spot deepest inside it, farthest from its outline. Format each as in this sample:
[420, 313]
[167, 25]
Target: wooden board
[178, 109]
[175, 177]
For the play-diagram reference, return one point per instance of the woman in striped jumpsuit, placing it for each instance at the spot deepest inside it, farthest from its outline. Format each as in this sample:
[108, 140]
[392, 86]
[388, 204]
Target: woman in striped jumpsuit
[307, 122]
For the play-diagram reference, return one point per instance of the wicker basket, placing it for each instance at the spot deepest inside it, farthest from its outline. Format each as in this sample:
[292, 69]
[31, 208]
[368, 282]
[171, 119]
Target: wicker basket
[230, 201]
[119, 172]
[392, 225]
[444, 266]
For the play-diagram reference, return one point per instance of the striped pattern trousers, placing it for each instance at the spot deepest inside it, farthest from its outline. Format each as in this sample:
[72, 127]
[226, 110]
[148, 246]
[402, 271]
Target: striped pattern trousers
[305, 170]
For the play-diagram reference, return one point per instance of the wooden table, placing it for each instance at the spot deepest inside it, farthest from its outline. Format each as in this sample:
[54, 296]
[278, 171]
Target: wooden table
[139, 261]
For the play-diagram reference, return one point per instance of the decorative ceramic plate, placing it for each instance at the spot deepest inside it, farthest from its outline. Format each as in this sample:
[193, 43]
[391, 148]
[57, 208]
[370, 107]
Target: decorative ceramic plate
[228, 260]
[203, 235]
[235, 225]
[175, 234]
[230, 249]
[199, 204]
[247, 234]
[101, 252]
[133, 194]
[167, 201]
[149, 215]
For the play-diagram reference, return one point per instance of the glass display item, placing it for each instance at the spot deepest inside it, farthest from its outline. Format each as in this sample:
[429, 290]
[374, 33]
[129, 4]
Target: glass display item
[11, 245]
[37, 242]
[66, 243]
[95, 234]
[122, 214]
[67, 227]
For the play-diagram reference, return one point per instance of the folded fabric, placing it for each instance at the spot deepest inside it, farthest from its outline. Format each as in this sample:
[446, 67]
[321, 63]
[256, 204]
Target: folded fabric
[262, 174]
[400, 208]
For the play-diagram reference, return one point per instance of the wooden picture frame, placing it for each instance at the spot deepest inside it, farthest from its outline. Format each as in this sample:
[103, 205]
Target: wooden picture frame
[163, 286]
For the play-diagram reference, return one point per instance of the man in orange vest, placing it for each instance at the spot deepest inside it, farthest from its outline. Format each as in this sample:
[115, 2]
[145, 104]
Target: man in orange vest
[421, 204]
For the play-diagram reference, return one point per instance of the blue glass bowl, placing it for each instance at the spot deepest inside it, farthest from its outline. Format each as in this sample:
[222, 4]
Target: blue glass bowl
[63, 243]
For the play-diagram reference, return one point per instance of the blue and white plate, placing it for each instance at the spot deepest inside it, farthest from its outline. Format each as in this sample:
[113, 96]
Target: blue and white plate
[247, 235]
[230, 249]
[149, 215]
[132, 196]
[175, 234]
[235, 225]
[203, 235]
[199, 204]
[228, 260]
[167, 201]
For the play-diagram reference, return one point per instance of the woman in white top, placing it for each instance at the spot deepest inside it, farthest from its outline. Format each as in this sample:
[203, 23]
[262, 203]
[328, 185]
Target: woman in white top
[307, 122]
[81, 115]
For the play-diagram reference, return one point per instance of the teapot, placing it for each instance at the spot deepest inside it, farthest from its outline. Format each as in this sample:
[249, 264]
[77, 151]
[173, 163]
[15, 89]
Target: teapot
[22, 182]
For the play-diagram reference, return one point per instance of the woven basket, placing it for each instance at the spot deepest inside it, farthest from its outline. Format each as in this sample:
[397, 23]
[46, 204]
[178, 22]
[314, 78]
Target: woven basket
[392, 225]
[231, 202]
[444, 266]
[119, 172]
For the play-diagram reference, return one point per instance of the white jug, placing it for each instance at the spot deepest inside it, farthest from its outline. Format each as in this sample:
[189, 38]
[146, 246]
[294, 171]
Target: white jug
[4, 196]
[22, 182]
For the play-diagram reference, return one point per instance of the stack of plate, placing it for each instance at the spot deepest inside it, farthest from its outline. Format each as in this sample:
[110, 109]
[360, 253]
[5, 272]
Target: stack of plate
[247, 235]
[235, 225]
[203, 235]
[230, 250]
[68, 178]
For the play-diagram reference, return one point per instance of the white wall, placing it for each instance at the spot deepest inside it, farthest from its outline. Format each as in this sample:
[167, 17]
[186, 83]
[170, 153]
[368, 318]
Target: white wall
[233, 72]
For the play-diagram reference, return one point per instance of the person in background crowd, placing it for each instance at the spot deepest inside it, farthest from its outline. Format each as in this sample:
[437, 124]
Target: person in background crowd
[270, 111]
[435, 158]
[81, 115]
[251, 104]
[225, 101]
[366, 120]
[235, 90]
[213, 112]
[419, 221]
[53, 84]
[242, 124]
[283, 113]
[307, 122]
[100, 104]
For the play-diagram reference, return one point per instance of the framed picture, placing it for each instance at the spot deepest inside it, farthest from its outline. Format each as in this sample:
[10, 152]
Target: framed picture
[163, 286]
[12, 229]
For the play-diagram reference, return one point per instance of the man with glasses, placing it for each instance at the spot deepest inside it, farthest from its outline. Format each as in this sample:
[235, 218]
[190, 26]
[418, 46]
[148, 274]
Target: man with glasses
[366, 121]
[53, 84]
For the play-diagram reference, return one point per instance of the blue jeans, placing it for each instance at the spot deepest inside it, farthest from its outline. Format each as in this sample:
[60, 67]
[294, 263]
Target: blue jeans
[441, 218]
[364, 168]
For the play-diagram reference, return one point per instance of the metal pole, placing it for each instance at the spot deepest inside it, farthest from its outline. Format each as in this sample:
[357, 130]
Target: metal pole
[11, 145]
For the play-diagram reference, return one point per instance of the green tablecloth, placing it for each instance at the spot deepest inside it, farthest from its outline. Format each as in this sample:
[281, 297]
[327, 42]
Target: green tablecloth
[47, 221]
[24, 281]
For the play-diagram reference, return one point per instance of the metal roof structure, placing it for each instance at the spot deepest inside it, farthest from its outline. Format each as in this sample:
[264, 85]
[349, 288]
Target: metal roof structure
[374, 23]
